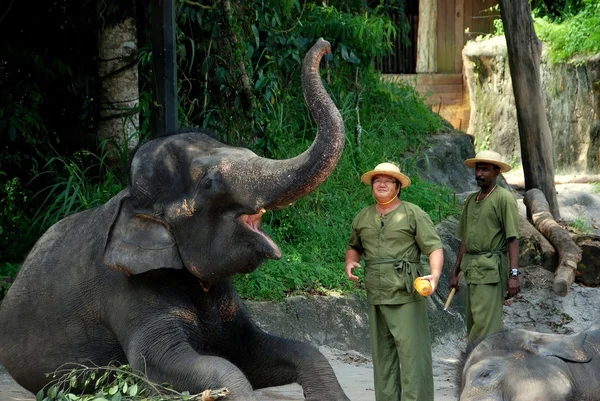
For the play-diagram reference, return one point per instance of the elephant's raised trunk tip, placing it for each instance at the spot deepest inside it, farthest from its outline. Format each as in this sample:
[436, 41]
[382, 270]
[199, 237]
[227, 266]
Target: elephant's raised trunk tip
[291, 179]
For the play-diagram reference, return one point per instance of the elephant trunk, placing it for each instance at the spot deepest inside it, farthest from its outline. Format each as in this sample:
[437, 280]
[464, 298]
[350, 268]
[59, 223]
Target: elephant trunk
[277, 183]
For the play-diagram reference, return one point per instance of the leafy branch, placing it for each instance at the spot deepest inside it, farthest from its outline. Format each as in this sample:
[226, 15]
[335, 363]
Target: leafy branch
[114, 383]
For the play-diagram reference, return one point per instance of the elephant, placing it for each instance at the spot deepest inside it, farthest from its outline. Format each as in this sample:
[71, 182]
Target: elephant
[521, 365]
[146, 278]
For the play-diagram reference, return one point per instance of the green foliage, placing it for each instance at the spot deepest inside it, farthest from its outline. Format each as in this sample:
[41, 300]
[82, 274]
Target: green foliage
[582, 225]
[571, 34]
[74, 186]
[556, 10]
[8, 271]
[14, 223]
[111, 383]
[497, 22]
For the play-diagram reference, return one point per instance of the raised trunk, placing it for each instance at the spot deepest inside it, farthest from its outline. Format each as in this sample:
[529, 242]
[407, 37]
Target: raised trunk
[524, 50]
[277, 183]
[569, 254]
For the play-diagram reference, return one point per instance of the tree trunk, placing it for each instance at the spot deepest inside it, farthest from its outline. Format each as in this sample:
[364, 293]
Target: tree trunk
[524, 50]
[569, 254]
[118, 71]
[427, 37]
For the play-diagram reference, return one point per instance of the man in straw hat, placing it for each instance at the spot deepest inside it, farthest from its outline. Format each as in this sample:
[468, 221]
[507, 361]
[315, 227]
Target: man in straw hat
[390, 236]
[488, 229]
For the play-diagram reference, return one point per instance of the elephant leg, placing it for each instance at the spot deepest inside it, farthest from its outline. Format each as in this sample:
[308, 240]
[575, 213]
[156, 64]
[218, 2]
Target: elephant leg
[272, 361]
[185, 369]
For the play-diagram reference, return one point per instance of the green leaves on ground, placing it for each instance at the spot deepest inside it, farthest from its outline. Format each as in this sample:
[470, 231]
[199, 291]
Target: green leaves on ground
[110, 383]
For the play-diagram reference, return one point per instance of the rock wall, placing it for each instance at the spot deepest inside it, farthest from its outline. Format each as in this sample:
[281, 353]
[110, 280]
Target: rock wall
[572, 94]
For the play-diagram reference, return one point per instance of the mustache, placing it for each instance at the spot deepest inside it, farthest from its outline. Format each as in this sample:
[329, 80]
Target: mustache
[479, 179]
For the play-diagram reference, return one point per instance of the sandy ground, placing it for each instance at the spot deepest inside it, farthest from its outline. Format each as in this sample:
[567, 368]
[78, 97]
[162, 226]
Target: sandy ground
[535, 308]
[354, 371]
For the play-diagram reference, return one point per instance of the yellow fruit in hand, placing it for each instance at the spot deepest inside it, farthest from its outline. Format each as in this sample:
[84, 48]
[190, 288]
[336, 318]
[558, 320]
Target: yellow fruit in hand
[423, 286]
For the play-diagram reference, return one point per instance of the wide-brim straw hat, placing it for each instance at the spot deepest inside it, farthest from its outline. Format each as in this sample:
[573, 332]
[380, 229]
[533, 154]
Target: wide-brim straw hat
[387, 169]
[488, 156]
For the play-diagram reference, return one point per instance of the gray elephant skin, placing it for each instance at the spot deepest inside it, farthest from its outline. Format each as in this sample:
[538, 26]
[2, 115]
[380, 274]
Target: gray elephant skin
[145, 279]
[520, 365]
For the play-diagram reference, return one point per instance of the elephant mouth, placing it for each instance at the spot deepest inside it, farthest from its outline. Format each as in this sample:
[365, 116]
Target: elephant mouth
[253, 223]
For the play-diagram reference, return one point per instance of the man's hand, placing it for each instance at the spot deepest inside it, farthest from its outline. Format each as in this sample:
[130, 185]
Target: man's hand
[434, 280]
[514, 286]
[351, 265]
[454, 282]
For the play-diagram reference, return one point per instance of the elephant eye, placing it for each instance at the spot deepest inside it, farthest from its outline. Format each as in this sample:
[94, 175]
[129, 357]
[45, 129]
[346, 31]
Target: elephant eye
[207, 183]
[484, 376]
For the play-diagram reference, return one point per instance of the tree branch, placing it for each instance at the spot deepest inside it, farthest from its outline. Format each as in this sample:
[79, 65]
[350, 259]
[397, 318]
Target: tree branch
[569, 254]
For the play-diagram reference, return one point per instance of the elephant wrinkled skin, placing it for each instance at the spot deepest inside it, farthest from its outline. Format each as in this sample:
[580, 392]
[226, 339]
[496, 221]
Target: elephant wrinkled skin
[145, 279]
[520, 365]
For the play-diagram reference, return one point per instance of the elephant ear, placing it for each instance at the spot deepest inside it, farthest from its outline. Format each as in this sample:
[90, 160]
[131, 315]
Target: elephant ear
[569, 348]
[138, 243]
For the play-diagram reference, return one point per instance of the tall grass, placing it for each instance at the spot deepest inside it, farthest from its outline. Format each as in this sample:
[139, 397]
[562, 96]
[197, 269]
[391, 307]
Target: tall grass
[77, 183]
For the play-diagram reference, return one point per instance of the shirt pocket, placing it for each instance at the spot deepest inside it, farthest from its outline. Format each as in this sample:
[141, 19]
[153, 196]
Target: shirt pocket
[481, 269]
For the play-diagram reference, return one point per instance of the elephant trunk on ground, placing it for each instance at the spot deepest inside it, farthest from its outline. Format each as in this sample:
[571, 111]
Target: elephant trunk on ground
[277, 183]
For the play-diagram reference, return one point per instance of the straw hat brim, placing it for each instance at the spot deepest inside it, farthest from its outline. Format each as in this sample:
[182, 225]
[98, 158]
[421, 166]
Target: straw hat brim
[504, 167]
[367, 177]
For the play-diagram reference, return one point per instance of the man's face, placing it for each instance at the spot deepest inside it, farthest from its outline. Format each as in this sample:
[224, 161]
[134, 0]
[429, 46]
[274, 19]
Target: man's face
[485, 174]
[384, 186]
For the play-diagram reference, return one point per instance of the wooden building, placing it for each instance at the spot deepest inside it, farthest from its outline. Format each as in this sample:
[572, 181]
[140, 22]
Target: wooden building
[432, 58]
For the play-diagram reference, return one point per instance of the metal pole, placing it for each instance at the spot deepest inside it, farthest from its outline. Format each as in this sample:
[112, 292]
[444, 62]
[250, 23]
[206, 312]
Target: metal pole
[164, 68]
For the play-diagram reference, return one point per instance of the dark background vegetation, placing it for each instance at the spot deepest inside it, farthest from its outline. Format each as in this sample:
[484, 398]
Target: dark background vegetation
[52, 164]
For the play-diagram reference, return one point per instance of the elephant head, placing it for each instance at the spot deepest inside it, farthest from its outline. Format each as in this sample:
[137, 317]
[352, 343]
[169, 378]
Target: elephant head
[522, 365]
[196, 203]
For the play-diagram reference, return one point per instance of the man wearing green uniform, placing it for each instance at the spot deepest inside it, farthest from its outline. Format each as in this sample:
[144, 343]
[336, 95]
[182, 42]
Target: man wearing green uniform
[488, 229]
[391, 236]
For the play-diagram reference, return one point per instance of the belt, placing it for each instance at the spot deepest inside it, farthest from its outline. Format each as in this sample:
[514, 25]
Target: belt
[498, 252]
[403, 265]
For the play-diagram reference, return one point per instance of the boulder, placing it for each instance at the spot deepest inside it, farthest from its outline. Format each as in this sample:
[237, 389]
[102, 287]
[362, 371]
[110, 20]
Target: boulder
[588, 269]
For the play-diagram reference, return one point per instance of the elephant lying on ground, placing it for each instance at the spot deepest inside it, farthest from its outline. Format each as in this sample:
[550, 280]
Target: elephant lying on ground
[146, 278]
[521, 365]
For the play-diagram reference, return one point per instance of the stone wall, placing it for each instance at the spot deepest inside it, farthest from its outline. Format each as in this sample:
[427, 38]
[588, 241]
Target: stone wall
[572, 94]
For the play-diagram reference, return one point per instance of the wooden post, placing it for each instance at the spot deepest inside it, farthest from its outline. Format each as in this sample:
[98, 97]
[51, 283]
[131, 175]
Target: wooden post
[427, 37]
[459, 34]
[164, 68]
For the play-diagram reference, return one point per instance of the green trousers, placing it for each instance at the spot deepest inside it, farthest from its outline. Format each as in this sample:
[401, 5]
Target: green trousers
[484, 309]
[401, 350]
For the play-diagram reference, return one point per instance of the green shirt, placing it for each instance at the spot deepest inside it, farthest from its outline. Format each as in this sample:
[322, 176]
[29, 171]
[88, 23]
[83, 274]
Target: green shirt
[382, 241]
[486, 227]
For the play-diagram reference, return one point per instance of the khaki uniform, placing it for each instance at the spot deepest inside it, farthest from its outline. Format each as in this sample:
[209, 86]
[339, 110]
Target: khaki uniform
[485, 227]
[400, 341]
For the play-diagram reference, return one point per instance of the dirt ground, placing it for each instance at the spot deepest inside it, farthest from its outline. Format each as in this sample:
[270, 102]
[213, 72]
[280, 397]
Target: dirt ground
[354, 372]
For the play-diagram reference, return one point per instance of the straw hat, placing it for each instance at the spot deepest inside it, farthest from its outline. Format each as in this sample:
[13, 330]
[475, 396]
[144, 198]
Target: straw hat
[388, 169]
[488, 156]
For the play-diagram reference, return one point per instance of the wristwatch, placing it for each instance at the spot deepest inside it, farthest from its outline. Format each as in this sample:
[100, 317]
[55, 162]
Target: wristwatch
[514, 272]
